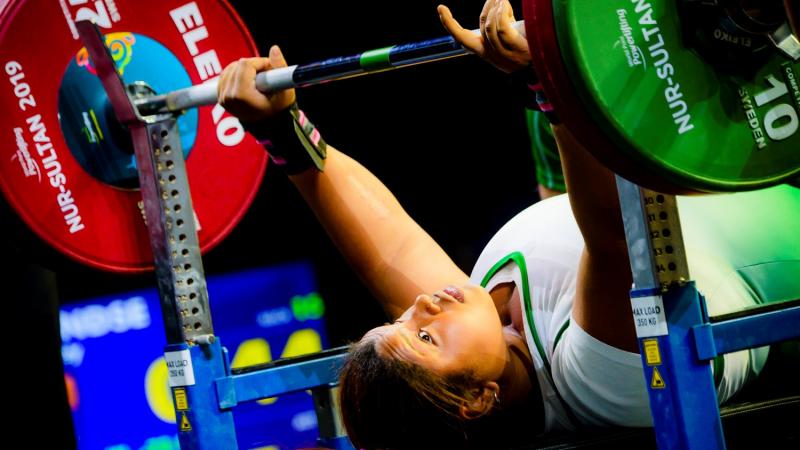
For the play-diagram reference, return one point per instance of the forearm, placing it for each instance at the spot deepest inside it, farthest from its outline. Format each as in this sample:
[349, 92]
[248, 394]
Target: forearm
[592, 193]
[602, 305]
[396, 258]
[393, 255]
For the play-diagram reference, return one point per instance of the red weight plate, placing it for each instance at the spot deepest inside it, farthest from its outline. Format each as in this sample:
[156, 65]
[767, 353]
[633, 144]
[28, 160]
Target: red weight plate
[67, 166]
[540, 29]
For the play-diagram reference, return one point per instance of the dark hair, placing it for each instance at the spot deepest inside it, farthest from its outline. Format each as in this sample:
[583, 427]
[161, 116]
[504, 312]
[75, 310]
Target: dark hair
[387, 403]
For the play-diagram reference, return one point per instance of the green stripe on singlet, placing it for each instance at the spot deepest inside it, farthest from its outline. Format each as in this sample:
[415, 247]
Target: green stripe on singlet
[519, 260]
[378, 59]
[560, 332]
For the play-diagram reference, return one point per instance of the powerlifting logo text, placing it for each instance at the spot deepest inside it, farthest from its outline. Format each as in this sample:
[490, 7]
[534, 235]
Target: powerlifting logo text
[632, 51]
[28, 164]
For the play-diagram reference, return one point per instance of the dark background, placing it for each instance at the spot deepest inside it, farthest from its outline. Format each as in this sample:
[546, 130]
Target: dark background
[447, 138]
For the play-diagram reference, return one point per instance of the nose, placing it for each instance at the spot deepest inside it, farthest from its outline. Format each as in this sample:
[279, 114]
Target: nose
[424, 305]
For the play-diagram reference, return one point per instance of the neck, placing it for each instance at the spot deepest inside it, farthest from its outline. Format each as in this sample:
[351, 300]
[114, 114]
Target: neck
[520, 394]
[502, 295]
[519, 388]
[516, 381]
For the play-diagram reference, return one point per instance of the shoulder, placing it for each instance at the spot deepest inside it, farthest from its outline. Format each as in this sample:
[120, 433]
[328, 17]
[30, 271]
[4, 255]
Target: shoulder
[546, 219]
[544, 228]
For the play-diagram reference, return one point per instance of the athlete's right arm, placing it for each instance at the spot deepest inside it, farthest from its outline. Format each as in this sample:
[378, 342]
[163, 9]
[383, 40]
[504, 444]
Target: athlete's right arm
[392, 254]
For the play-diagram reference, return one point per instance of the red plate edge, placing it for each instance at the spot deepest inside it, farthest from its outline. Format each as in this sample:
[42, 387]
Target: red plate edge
[237, 217]
[7, 9]
[549, 66]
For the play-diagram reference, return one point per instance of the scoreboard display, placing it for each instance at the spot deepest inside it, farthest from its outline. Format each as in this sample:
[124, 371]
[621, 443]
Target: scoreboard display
[116, 375]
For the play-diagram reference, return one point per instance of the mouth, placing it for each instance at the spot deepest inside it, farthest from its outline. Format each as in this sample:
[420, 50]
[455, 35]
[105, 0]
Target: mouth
[455, 293]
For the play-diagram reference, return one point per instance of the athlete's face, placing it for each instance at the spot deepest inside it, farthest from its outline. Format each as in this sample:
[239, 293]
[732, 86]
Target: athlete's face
[454, 330]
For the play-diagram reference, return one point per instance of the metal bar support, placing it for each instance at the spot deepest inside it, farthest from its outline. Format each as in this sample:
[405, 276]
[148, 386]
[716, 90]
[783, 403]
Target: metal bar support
[666, 307]
[194, 359]
[332, 433]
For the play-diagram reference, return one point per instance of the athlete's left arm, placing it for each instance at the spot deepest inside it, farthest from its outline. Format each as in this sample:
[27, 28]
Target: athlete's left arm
[602, 304]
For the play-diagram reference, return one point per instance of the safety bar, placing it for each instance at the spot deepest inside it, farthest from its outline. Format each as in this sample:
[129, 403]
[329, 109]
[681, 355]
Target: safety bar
[284, 376]
[752, 328]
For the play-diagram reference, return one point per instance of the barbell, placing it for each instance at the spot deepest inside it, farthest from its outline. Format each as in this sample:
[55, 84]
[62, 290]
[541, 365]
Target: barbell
[677, 96]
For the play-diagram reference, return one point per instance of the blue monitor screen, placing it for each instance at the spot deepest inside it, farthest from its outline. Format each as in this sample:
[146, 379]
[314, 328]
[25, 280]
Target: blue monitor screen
[117, 378]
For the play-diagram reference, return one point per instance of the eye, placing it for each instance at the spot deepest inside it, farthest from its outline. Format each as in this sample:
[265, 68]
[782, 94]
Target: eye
[425, 336]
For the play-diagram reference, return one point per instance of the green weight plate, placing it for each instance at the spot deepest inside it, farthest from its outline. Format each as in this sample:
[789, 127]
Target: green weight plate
[668, 109]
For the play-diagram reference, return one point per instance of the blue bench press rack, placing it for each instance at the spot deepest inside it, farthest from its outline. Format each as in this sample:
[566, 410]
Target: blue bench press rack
[678, 339]
[676, 342]
[204, 388]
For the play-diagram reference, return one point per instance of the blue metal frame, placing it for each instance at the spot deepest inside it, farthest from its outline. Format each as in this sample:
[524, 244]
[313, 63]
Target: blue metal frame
[283, 379]
[209, 401]
[684, 403]
[751, 330]
[202, 424]
[676, 359]
[683, 399]
[205, 390]
[339, 443]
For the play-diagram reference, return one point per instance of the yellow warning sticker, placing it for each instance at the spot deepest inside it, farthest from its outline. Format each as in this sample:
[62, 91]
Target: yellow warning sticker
[657, 382]
[185, 425]
[651, 352]
[181, 403]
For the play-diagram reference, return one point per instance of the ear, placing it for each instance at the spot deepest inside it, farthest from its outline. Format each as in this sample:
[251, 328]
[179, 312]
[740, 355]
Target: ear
[485, 397]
